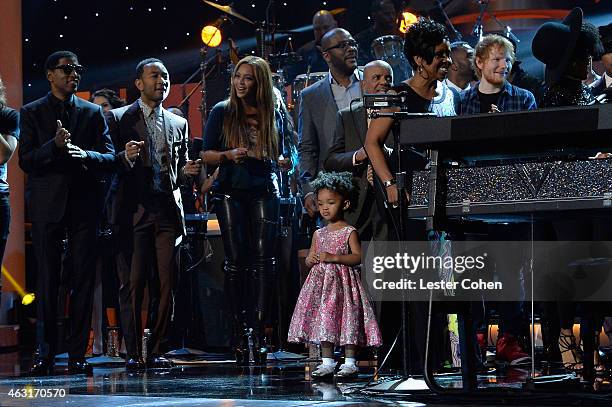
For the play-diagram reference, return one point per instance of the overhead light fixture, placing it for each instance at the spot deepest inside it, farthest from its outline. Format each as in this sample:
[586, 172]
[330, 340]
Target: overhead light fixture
[211, 36]
[408, 18]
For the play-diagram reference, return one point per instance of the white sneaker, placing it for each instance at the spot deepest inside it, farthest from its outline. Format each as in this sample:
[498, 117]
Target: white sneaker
[347, 371]
[324, 370]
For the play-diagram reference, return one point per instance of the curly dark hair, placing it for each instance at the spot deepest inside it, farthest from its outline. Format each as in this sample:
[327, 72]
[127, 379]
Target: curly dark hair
[110, 95]
[589, 41]
[421, 40]
[339, 182]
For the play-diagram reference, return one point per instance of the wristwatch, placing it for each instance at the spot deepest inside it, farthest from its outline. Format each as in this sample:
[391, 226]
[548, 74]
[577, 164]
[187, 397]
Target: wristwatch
[389, 182]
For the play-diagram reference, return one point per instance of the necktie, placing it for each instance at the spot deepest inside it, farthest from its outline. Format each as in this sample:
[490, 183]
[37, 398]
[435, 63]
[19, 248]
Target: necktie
[65, 114]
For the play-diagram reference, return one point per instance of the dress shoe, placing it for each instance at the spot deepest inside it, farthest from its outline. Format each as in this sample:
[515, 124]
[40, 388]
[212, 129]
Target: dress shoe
[242, 356]
[261, 355]
[41, 367]
[159, 362]
[134, 364]
[79, 367]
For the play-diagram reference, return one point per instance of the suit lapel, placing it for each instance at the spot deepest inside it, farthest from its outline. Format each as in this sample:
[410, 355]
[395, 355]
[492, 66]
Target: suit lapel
[139, 127]
[169, 133]
[74, 114]
[362, 121]
[168, 124]
[328, 95]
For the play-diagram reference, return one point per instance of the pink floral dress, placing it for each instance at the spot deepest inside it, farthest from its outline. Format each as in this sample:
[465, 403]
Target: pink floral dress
[333, 305]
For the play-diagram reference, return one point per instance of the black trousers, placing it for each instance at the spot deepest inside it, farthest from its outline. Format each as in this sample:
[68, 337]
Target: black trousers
[147, 255]
[47, 241]
[249, 227]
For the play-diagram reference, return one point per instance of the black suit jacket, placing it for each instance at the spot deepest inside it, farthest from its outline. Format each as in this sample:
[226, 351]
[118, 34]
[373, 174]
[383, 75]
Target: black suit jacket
[349, 136]
[53, 176]
[130, 183]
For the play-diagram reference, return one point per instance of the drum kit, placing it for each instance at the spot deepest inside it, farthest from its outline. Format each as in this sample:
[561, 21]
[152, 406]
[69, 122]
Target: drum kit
[388, 48]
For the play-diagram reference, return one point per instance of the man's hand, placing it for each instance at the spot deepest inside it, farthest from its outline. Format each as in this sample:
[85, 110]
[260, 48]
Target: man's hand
[132, 149]
[310, 203]
[75, 151]
[601, 156]
[193, 167]
[360, 155]
[208, 182]
[62, 136]
[494, 109]
[285, 164]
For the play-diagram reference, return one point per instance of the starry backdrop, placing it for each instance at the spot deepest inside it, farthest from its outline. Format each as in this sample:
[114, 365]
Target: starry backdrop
[111, 36]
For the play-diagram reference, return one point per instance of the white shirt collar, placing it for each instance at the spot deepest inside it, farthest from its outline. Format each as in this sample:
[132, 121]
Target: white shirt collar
[607, 79]
[355, 77]
[146, 110]
[452, 85]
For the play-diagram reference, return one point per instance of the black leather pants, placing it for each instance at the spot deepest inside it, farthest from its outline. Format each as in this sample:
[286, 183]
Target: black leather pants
[249, 226]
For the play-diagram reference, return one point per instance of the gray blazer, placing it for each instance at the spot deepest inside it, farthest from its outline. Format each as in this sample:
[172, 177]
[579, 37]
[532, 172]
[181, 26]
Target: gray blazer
[349, 136]
[316, 123]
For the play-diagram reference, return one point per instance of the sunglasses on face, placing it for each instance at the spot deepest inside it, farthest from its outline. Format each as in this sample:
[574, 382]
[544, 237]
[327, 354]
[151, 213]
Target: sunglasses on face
[343, 45]
[68, 68]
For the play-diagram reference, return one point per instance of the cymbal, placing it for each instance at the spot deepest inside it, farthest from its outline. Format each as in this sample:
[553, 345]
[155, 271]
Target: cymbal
[228, 10]
[338, 11]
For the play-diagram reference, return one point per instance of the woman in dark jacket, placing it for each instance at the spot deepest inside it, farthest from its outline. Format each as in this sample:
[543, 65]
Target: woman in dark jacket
[248, 138]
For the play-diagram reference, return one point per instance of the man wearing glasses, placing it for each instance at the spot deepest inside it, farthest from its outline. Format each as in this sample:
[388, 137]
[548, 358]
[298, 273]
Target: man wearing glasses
[64, 147]
[320, 104]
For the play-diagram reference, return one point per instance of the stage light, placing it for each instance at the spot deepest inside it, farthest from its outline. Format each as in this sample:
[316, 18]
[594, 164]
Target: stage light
[408, 18]
[211, 36]
[26, 298]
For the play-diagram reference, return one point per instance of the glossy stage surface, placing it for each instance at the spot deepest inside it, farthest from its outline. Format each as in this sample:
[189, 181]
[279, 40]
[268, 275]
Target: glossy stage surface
[217, 383]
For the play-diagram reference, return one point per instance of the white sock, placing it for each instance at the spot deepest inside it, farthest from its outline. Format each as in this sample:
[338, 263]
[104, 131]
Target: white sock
[328, 361]
[350, 361]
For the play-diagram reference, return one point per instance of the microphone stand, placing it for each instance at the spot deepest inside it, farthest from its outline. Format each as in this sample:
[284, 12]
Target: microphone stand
[407, 382]
[449, 23]
[185, 351]
[477, 30]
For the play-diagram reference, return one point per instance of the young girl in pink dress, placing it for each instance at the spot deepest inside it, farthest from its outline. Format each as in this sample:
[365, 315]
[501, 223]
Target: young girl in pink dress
[332, 308]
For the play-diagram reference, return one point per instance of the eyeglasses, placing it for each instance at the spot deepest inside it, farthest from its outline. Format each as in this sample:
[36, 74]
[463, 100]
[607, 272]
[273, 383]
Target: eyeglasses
[68, 68]
[344, 45]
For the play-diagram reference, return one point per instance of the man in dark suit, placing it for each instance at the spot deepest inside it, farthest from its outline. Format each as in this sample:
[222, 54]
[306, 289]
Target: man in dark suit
[64, 147]
[604, 83]
[348, 154]
[147, 208]
[320, 104]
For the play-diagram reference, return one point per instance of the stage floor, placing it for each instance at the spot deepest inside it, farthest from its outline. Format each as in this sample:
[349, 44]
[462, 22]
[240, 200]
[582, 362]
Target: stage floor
[282, 384]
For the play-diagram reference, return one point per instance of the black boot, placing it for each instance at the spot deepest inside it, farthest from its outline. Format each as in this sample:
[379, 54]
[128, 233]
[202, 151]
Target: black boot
[263, 278]
[235, 294]
[258, 341]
